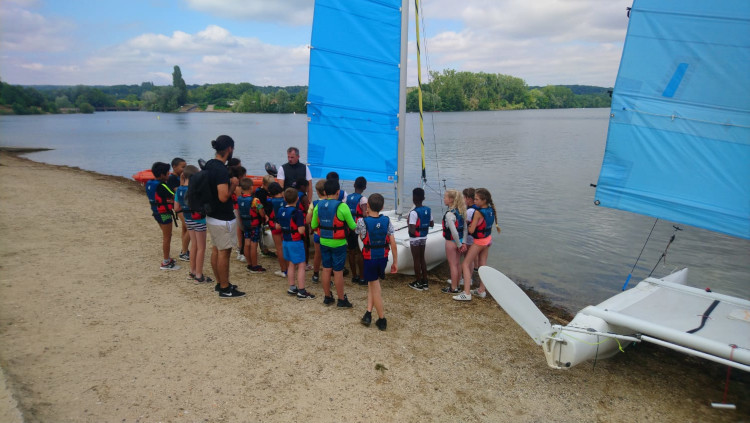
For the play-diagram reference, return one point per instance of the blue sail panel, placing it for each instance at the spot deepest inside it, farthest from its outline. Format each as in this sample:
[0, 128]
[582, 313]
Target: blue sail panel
[353, 90]
[678, 144]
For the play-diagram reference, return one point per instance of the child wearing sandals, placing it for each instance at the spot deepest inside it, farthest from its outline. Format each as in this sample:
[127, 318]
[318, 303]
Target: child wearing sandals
[453, 232]
[480, 228]
[196, 228]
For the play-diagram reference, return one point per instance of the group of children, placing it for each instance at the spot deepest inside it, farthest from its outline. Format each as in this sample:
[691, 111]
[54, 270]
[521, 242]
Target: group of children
[337, 222]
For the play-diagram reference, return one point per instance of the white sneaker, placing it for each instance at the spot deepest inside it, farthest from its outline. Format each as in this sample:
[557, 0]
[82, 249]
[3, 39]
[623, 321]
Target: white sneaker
[280, 273]
[462, 297]
[460, 283]
[241, 258]
[479, 294]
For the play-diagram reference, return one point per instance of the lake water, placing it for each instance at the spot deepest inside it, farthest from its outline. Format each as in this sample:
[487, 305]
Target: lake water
[537, 164]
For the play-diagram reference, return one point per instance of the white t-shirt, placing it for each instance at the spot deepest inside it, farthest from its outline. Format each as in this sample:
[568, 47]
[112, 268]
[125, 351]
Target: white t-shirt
[413, 216]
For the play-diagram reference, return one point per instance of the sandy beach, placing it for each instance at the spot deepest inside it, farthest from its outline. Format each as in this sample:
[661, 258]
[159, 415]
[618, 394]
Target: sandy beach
[92, 331]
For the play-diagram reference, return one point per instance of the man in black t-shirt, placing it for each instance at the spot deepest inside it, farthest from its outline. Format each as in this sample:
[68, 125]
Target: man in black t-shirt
[221, 222]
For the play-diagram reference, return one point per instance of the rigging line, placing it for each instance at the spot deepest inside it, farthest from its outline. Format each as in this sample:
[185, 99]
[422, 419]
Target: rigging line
[630, 275]
[664, 254]
[419, 91]
[673, 117]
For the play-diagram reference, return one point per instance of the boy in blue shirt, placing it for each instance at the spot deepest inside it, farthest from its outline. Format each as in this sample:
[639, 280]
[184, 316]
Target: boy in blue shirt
[376, 232]
[161, 198]
[291, 222]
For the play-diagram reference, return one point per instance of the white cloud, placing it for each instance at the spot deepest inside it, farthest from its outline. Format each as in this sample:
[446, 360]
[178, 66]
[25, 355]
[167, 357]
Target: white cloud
[26, 31]
[291, 12]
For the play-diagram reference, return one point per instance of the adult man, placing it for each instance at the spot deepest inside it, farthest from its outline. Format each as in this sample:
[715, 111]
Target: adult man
[221, 221]
[293, 171]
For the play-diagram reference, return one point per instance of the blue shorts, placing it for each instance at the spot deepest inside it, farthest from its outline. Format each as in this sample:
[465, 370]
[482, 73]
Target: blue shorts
[163, 218]
[374, 269]
[253, 234]
[333, 258]
[294, 251]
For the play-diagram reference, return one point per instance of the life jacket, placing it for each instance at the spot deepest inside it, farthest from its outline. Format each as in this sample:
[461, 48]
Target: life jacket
[314, 204]
[459, 226]
[276, 204]
[180, 195]
[484, 229]
[330, 225]
[300, 206]
[352, 200]
[289, 227]
[377, 241]
[341, 195]
[293, 173]
[424, 216]
[249, 214]
[158, 205]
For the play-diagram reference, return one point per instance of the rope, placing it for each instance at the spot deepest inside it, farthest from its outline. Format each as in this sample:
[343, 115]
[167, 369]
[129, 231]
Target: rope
[664, 254]
[419, 90]
[630, 275]
[729, 373]
[673, 117]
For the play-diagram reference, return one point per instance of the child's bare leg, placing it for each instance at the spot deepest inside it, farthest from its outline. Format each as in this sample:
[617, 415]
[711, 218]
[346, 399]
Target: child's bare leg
[290, 273]
[338, 280]
[279, 252]
[166, 238]
[468, 265]
[374, 292]
[200, 252]
[215, 261]
[185, 235]
[300, 274]
[253, 253]
[423, 262]
[453, 256]
[352, 262]
[326, 281]
[193, 250]
[360, 262]
[482, 258]
[247, 251]
[317, 259]
[415, 258]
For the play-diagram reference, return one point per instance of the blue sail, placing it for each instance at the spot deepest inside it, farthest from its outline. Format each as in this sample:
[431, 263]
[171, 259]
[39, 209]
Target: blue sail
[354, 89]
[678, 145]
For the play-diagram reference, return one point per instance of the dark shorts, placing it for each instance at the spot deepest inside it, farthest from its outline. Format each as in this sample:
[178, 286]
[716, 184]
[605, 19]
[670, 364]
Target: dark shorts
[351, 241]
[374, 269]
[333, 258]
[163, 218]
[253, 234]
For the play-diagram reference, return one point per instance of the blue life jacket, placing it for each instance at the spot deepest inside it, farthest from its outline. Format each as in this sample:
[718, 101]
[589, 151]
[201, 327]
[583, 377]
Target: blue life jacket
[424, 217]
[289, 227]
[484, 229]
[249, 216]
[352, 200]
[276, 204]
[151, 186]
[180, 195]
[377, 241]
[459, 226]
[330, 225]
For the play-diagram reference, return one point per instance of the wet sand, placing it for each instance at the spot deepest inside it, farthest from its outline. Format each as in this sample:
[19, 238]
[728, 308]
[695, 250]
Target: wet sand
[92, 331]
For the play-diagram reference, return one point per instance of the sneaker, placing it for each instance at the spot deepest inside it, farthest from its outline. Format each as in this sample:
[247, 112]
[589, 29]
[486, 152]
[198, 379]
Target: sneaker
[217, 287]
[256, 269]
[367, 318]
[462, 297]
[302, 294]
[344, 303]
[309, 267]
[425, 286]
[191, 276]
[346, 272]
[280, 274]
[449, 290]
[268, 253]
[170, 265]
[205, 279]
[185, 256]
[460, 282]
[355, 280]
[292, 290]
[328, 300]
[416, 285]
[362, 282]
[230, 292]
[242, 259]
[382, 324]
[315, 278]
[479, 294]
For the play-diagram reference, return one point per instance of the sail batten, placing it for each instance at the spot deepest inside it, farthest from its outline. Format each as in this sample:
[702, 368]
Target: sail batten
[678, 144]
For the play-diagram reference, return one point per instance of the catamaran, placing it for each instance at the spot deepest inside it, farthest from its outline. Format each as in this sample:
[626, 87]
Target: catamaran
[356, 104]
[678, 149]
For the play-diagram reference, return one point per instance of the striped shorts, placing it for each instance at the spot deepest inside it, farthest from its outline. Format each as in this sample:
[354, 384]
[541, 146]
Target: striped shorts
[196, 225]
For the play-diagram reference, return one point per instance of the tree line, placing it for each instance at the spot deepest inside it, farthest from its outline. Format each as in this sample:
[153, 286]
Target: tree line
[447, 91]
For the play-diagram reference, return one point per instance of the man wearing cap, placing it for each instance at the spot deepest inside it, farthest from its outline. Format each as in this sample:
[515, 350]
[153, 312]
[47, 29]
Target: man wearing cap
[293, 171]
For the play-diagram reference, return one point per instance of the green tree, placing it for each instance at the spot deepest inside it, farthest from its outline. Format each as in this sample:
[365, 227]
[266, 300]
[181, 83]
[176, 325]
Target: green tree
[179, 84]
[86, 108]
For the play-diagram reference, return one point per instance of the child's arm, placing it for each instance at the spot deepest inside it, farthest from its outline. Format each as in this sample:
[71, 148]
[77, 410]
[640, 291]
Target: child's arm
[476, 219]
[347, 216]
[394, 249]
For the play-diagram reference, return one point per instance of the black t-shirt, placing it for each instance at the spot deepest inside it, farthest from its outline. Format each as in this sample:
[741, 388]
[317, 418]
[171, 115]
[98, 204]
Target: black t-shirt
[219, 174]
[262, 195]
[173, 181]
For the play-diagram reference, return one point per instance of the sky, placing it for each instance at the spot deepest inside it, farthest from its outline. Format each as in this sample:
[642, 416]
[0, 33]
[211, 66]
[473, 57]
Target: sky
[265, 42]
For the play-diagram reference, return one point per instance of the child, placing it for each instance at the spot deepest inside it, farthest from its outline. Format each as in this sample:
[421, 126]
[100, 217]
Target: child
[261, 193]
[162, 201]
[196, 228]
[453, 232]
[376, 232]
[252, 216]
[304, 204]
[332, 217]
[357, 205]
[277, 201]
[292, 223]
[480, 228]
[174, 181]
[420, 222]
[239, 172]
[320, 188]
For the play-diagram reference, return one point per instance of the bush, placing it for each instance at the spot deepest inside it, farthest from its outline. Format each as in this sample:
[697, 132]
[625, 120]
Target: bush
[86, 108]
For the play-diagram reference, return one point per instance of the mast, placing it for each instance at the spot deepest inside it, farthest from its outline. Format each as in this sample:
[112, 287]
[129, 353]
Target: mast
[402, 106]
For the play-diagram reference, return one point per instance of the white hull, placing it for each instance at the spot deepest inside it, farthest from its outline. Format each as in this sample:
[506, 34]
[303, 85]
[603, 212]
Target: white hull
[662, 311]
